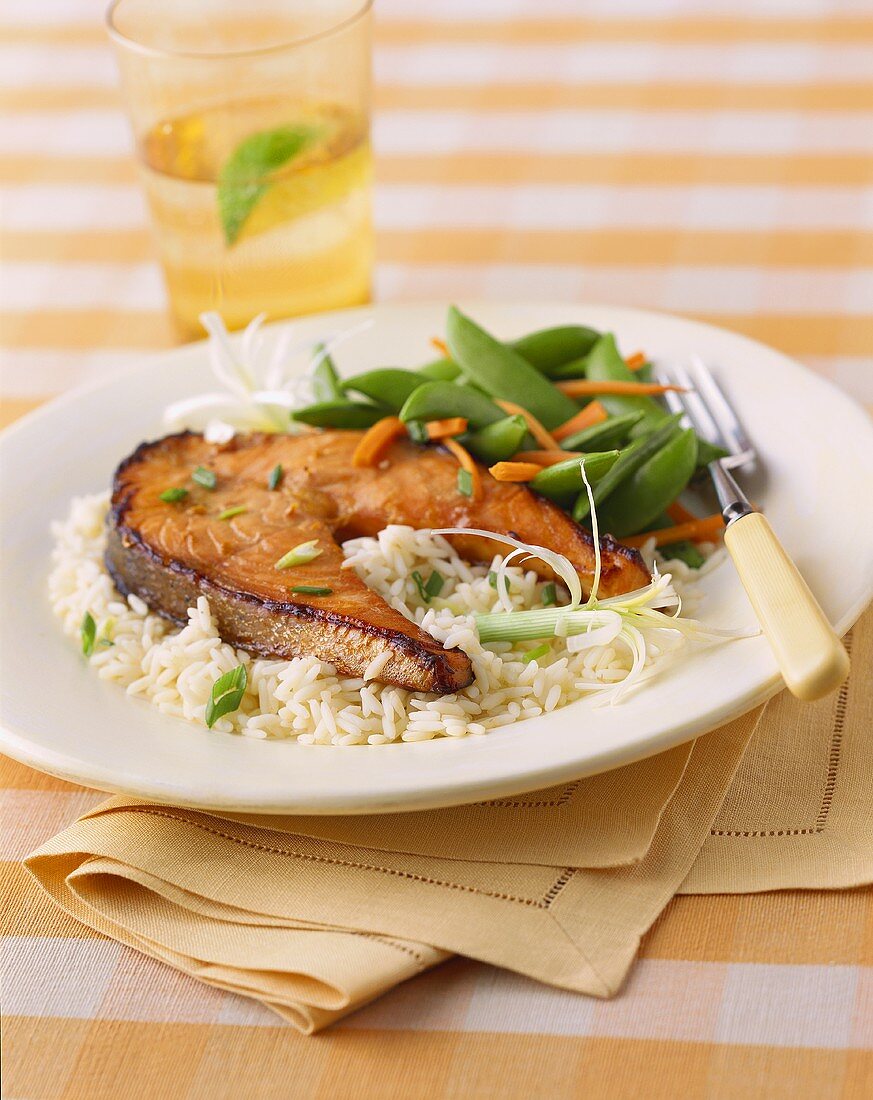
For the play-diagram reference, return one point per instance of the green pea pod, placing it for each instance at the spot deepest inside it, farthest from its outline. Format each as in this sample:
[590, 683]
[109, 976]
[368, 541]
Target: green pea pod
[441, 370]
[340, 414]
[645, 373]
[651, 487]
[498, 441]
[389, 386]
[564, 479]
[501, 372]
[326, 385]
[553, 351]
[632, 457]
[549, 349]
[684, 551]
[609, 433]
[605, 364]
[707, 452]
[575, 368]
[438, 400]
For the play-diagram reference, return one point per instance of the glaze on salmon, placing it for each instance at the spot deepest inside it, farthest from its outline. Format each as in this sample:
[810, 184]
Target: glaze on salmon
[171, 553]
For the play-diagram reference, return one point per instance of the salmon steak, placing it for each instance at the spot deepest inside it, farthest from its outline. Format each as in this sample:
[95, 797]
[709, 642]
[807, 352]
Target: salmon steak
[224, 542]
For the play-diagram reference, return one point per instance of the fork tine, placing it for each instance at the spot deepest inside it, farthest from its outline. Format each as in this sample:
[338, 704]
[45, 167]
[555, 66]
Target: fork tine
[699, 415]
[721, 409]
[671, 398]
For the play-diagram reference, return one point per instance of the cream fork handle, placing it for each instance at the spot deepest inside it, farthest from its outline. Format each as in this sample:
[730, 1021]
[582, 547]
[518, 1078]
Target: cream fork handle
[812, 659]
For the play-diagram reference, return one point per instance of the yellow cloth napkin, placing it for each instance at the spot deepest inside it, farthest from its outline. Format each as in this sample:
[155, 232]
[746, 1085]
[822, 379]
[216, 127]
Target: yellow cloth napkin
[799, 813]
[316, 916]
[315, 926]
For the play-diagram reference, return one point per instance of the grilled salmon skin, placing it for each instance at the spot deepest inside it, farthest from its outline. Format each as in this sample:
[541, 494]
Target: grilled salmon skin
[169, 553]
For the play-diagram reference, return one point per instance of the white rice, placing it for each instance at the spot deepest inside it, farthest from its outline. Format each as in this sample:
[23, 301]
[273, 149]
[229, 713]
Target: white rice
[304, 698]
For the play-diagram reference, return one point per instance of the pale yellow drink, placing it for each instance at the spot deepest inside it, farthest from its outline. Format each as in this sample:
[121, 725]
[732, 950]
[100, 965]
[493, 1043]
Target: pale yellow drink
[306, 242]
[251, 124]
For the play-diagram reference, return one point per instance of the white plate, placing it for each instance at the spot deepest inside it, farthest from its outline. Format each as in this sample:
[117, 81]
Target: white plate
[816, 448]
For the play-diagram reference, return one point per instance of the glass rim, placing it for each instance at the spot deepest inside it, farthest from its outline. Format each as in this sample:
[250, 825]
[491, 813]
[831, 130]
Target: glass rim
[252, 51]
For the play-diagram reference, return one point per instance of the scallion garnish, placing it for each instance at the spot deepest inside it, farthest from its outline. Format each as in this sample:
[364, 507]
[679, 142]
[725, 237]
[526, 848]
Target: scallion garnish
[275, 478]
[417, 431]
[229, 513]
[420, 585]
[430, 587]
[535, 654]
[300, 555]
[465, 482]
[227, 694]
[492, 578]
[205, 478]
[434, 584]
[172, 496]
[88, 633]
[549, 594]
[312, 590]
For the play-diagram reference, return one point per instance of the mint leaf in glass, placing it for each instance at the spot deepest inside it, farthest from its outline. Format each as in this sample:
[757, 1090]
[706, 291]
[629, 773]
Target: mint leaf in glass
[244, 177]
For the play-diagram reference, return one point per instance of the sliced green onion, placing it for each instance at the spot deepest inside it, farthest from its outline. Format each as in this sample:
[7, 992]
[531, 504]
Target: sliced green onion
[417, 431]
[275, 478]
[420, 585]
[492, 578]
[300, 555]
[227, 694]
[535, 654]
[465, 482]
[312, 590]
[229, 513]
[434, 584]
[205, 477]
[549, 594]
[171, 496]
[88, 633]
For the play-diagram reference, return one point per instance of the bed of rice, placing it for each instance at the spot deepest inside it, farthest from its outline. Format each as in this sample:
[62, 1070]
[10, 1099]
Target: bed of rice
[305, 698]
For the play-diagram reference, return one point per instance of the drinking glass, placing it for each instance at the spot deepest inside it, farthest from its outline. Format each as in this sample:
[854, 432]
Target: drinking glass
[251, 120]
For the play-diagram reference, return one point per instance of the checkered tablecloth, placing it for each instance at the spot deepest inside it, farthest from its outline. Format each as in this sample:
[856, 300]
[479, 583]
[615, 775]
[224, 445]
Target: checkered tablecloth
[704, 156]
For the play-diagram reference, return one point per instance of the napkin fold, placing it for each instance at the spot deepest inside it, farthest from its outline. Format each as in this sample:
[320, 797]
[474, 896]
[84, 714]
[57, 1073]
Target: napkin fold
[317, 916]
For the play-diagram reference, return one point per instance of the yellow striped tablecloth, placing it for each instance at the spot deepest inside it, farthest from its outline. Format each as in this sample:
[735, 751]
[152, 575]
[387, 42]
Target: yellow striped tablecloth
[705, 156]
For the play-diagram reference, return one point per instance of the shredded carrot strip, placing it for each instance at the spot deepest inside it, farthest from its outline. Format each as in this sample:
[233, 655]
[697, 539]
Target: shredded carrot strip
[544, 438]
[679, 513]
[699, 530]
[592, 414]
[376, 440]
[466, 461]
[546, 458]
[442, 429]
[588, 387]
[514, 471]
[441, 346]
[635, 361]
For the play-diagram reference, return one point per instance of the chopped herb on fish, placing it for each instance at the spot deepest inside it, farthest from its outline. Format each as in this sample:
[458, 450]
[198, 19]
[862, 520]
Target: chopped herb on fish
[205, 478]
[300, 555]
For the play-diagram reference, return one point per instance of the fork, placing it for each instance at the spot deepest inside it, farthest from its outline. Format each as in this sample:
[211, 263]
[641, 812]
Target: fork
[812, 659]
